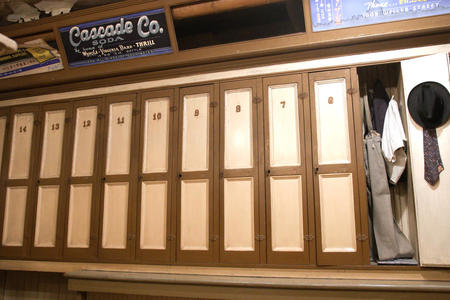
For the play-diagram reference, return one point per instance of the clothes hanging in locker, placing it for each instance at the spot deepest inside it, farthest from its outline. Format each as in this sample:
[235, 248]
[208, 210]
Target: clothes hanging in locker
[388, 241]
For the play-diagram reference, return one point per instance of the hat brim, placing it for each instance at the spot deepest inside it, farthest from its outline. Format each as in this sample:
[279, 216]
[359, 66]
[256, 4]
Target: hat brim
[415, 102]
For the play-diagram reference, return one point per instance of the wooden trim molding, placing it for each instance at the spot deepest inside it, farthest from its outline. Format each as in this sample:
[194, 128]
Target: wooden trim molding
[314, 60]
[366, 273]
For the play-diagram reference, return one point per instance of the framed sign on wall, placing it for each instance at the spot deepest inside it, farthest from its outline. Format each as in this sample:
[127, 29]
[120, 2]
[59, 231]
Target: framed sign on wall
[336, 14]
[119, 38]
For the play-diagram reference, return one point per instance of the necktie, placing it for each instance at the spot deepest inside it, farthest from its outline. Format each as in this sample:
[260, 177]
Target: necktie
[432, 156]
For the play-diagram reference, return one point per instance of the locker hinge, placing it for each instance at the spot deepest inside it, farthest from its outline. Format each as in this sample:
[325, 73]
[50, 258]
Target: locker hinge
[214, 238]
[361, 237]
[256, 100]
[173, 108]
[303, 95]
[100, 116]
[213, 104]
[171, 237]
[260, 237]
[37, 123]
[309, 237]
[351, 91]
[136, 112]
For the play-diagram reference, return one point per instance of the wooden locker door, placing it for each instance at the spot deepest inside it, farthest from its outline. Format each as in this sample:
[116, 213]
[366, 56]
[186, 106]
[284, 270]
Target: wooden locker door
[195, 193]
[154, 242]
[241, 238]
[83, 191]
[49, 199]
[20, 182]
[288, 174]
[118, 198]
[337, 202]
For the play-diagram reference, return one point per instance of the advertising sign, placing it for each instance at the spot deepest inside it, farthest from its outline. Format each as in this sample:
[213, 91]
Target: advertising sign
[335, 14]
[118, 38]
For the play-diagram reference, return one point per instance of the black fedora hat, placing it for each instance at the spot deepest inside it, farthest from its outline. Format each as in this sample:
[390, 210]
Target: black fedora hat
[429, 104]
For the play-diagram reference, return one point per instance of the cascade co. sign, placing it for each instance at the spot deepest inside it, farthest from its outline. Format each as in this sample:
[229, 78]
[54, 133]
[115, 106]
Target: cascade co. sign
[119, 38]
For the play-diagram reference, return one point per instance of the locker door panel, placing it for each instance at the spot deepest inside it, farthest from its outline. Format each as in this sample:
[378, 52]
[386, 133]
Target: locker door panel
[196, 133]
[154, 242]
[337, 199]
[19, 163]
[46, 216]
[241, 237]
[119, 175]
[53, 144]
[194, 233]
[238, 129]
[288, 182]
[333, 142]
[14, 219]
[79, 218]
[19, 177]
[49, 198]
[115, 215]
[154, 215]
[337, 212]
[83, 190]
[195, 200]
[284, 125]
[287, 213]
[119, 133]
[84, 141]
[239, 218]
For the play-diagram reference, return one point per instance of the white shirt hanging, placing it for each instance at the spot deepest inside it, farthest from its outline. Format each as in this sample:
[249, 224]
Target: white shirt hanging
[392, 143]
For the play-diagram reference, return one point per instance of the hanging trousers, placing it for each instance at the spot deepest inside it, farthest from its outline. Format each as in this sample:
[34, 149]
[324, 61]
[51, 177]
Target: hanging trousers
[390, 241]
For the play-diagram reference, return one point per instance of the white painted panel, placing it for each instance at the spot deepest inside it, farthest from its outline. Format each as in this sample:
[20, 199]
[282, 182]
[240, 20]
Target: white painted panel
[46, 216]
[53, 144]
[79, 223]
[115, 215]
[284, 125]
[239, 231]
[153, 215]
[333, 139]
[286, 203]
[238, 129]
[2, 137]
[156, 136]
[84, 143]
[195, 133]
[337, 213]
[431, 202]
[119, 138]
[14, 221]
[19, 162]
[194, 214]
